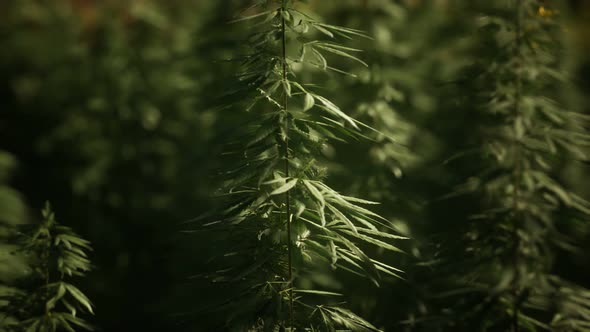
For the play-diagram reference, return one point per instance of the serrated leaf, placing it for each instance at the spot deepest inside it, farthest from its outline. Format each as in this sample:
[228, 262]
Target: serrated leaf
[284, 188]
[70, 307]
[287, 87]
[323, 30]
[77, 321]
[330, 107]
[314, 192]
[319, 56]
[302, 52]
[61, 290]
[80, 297]
[300, 208]
[308, 102]
[318, 292]
[342, 53]
[344, 30]
[246, 18]
[343, 218]
[372, 240]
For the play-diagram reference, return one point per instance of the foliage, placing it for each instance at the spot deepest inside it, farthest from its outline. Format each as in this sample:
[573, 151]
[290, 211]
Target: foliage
[505, 252]
[122, 113]
[286, 219]
[46, 300]
[101, 104]
[12, 214]
[415, 59]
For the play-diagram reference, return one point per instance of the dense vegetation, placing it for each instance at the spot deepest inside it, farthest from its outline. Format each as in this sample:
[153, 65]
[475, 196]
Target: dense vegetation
[291, 165]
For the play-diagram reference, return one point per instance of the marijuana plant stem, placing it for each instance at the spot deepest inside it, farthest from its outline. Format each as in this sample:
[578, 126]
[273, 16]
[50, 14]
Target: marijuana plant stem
[518, 168]
[286, 153]
[46, 255]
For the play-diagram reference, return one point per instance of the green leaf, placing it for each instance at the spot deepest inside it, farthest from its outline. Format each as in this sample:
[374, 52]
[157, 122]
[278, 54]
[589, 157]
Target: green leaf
[308, 102]
[341, 217]
[330, 107]
[302, 52]
[70, 307]
[372, 240]
[79, 296]
[318, 292]
[359, 200]
[246, 18]
[314, 192]
[65, 324]
[300, 208]
[343, 30]
[382, 234]
[285, 14]
[77, 321]
[284, 188]
[319, 56]
[341, 53]
[287, 87]
[61, 290]
[323, 30]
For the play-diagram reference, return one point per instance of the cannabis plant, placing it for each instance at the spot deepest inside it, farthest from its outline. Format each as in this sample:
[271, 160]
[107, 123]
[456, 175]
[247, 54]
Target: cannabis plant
[12, 214]
[501, 262]
[401, 95]
[284, 226]
[46, 300]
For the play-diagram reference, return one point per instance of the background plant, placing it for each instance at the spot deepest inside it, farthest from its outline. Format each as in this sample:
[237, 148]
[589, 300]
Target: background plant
[107, 107]
[12, 214]
[44, 299]
[507, 250]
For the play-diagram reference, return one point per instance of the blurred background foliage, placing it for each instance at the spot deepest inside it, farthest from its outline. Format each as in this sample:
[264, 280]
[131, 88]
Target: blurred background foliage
[107, 108]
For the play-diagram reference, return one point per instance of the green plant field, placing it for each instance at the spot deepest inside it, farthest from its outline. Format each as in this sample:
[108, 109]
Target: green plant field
[294, 165]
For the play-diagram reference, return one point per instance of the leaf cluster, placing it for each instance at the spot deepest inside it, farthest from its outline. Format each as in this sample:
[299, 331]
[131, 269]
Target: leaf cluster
[506, 251]
[45, 300]
[278, 184]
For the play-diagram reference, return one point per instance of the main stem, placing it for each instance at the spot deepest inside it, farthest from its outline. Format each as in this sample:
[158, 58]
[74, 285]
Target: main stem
[517, 172]
[46, 255]
[286, 153]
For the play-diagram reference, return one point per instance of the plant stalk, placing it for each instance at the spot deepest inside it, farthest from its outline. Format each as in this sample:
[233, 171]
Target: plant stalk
[517, 171]
[286, 153]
